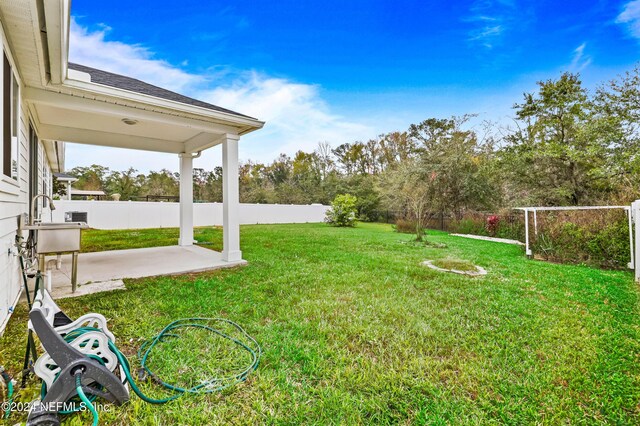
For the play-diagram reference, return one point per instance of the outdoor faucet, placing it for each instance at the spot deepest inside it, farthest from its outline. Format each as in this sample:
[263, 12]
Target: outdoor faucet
[33, 206]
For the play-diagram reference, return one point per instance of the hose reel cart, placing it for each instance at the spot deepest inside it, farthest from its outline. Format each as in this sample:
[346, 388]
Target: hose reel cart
[75, 364]
[82, 361]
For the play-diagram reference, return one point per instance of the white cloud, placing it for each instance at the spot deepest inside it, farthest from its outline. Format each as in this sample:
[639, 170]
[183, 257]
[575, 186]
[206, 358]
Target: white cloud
[487, 34]
[296, 115]
[630, 16]
[580, 60]
[489, 21]
[92, 49]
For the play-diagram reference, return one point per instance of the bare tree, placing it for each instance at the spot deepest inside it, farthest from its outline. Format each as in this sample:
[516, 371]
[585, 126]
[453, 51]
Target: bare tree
[324, 157]
[408, 189]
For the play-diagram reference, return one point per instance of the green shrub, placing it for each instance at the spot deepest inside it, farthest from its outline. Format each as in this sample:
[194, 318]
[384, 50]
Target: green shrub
[610, 246]
[363, 188]
[598, 239]
[469, 226]
[511, 230]
[343, 211]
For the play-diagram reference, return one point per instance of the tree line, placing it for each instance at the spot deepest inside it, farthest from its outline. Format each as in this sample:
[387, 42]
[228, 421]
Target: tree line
[566, 146]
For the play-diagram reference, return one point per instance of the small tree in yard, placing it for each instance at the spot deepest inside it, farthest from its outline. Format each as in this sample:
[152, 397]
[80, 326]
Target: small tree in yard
[409, 188]
[342, 211]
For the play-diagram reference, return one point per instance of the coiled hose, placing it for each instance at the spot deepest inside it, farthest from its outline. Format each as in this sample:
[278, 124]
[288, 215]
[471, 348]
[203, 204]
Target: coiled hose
[213, 384]
[9, 381]
[83, 398]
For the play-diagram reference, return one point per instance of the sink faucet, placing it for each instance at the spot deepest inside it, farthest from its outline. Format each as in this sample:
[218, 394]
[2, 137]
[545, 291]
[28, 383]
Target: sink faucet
[33, 206]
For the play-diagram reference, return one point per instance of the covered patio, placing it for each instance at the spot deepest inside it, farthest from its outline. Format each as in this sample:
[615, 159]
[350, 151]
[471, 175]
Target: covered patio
[96, 107]
[104, 271]
[168, 123]
[100, 108]
[74, 103]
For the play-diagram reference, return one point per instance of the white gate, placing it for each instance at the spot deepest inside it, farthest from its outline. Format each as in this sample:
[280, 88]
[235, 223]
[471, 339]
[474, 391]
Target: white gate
[633, 215]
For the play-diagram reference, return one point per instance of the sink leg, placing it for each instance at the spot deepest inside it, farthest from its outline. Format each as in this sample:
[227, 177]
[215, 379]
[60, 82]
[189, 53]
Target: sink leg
[42, 267]
[74, 271]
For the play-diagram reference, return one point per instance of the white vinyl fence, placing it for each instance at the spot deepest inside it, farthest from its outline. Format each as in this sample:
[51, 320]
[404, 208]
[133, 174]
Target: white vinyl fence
[141, 214]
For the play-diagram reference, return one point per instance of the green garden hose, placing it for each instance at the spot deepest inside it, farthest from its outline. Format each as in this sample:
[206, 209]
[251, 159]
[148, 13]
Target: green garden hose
[9, 381]
[84, 399]
[214, 384]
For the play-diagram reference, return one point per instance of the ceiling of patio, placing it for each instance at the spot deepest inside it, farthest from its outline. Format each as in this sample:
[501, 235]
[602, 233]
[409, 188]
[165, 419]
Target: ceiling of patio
[75, 119]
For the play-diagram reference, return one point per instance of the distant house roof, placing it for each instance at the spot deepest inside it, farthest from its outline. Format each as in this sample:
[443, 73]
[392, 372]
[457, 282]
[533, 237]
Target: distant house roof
[138, 86]
[65, 177]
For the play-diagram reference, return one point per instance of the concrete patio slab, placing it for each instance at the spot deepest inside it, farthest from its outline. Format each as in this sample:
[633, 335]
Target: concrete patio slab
[64, 291]
[104, 271]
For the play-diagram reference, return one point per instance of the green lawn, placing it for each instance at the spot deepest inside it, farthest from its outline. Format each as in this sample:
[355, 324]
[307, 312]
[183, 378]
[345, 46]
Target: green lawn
[99, 240]
[355, 331]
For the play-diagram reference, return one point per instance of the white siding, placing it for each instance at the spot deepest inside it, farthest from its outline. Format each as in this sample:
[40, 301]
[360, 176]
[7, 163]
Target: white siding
[13, 202]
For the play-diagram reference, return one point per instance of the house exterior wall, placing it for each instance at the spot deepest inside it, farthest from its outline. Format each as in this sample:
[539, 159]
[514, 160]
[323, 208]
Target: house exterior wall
[140, 214]
[14, 201]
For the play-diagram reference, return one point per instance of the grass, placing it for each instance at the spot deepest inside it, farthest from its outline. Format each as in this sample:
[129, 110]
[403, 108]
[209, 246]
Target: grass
[100, 240]
[355, 331]
[454, 264]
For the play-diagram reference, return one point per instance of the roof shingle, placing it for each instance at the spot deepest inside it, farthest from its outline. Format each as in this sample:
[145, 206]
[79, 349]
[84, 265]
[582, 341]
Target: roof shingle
[134, 85]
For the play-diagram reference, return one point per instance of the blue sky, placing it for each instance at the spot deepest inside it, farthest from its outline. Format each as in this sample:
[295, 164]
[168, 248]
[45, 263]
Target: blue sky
[340, 71]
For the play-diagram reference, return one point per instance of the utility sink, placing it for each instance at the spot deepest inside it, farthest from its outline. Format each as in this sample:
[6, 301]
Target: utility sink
[57, 237]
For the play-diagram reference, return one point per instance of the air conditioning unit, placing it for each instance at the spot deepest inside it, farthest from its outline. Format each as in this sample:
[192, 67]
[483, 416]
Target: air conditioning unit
[76, 217]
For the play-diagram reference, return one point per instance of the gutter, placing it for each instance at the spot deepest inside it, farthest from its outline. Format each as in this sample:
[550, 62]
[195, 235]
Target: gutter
[245, 124]
[56, 146]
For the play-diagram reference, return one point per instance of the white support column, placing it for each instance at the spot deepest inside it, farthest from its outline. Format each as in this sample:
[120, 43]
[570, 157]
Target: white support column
[230, 200]
[68, 190]
[186, 200]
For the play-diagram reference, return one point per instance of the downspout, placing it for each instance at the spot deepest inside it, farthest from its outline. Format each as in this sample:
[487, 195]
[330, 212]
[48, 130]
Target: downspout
[44, 39]
[55, 146]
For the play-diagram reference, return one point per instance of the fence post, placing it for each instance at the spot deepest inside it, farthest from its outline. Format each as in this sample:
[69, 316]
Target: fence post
[630, 215]
[634, 214]
[526, 233]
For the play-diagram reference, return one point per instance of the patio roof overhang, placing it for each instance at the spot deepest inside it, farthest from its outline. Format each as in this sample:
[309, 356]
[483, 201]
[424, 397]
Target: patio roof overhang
[95, 115]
